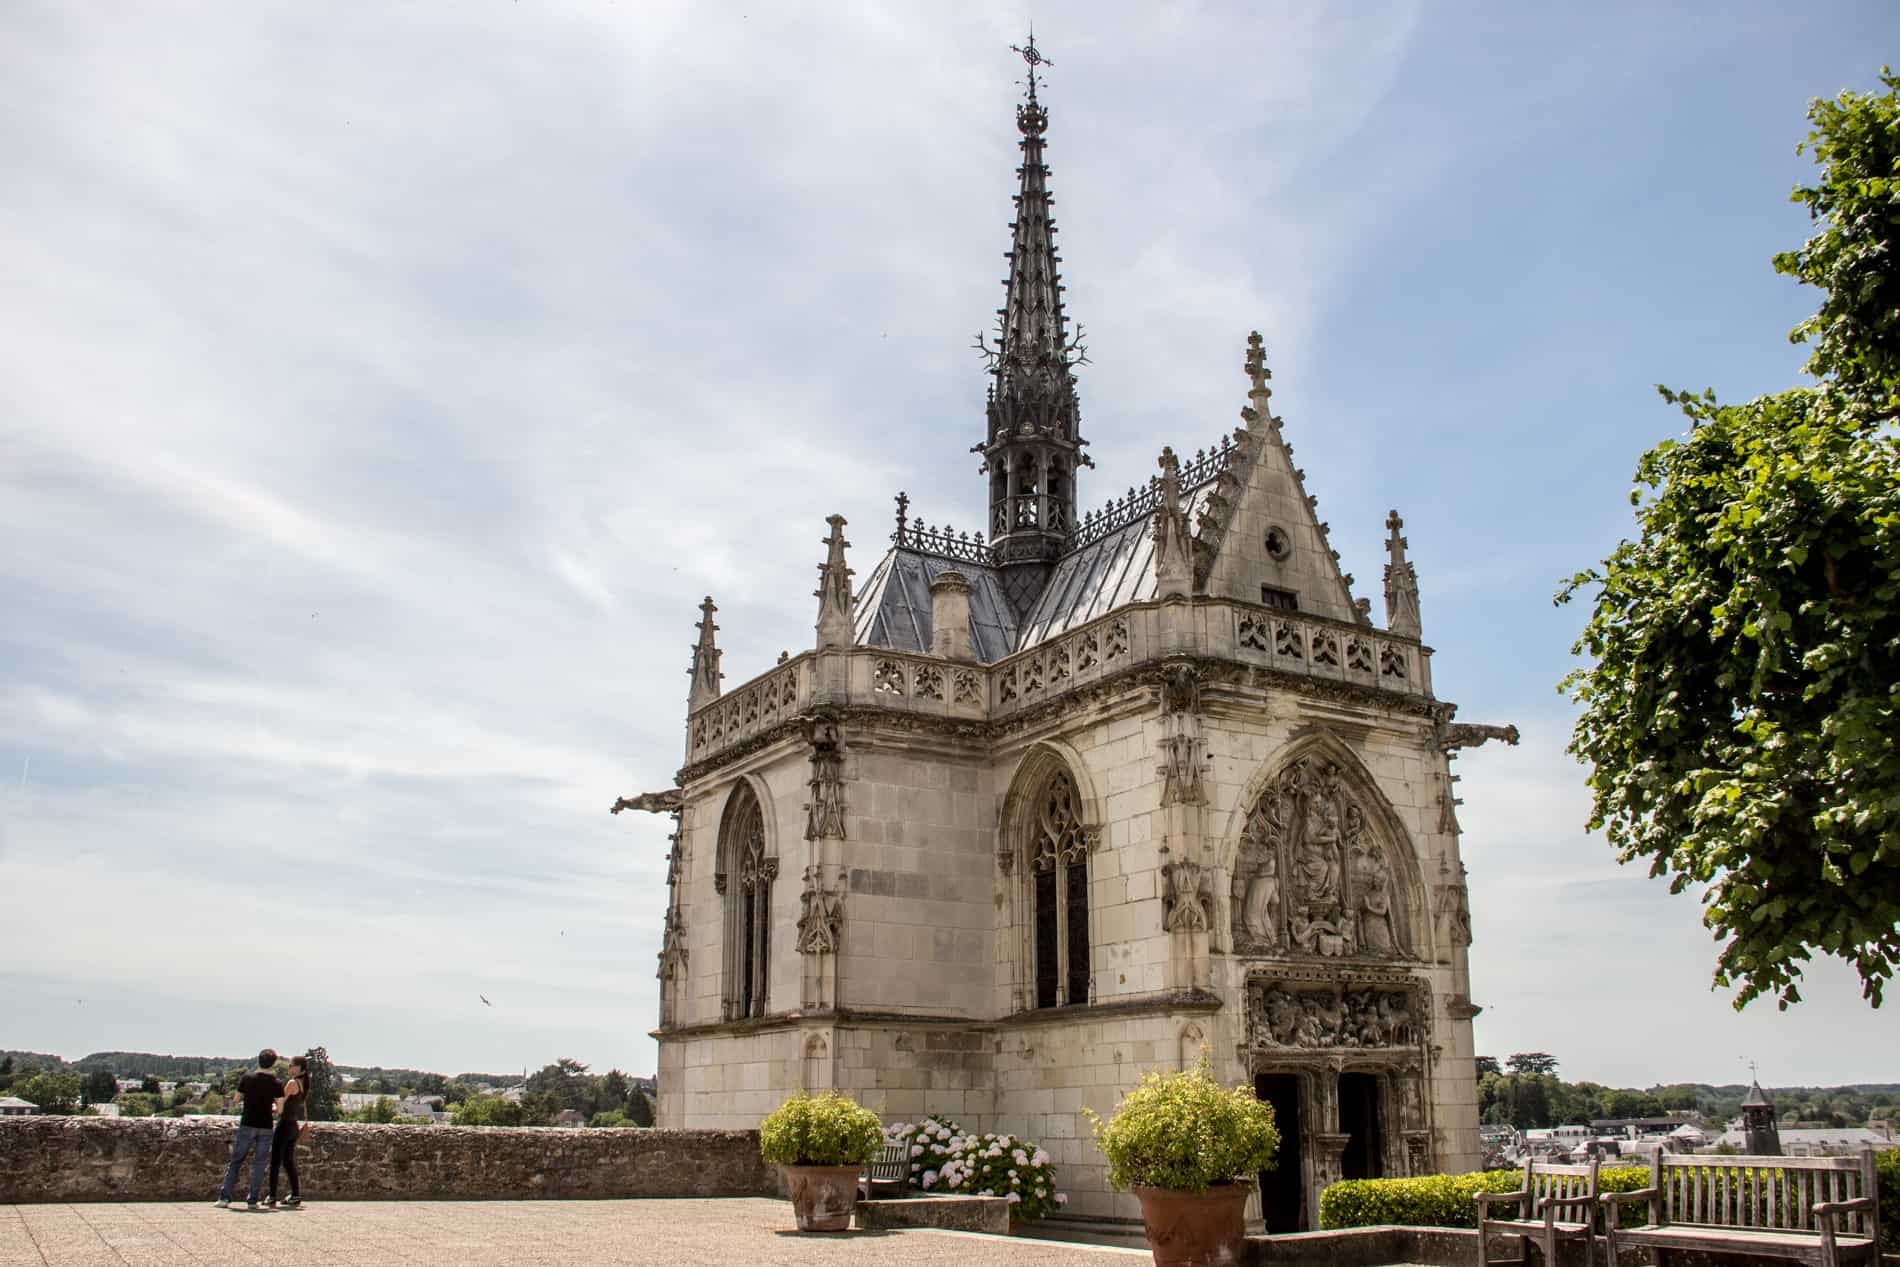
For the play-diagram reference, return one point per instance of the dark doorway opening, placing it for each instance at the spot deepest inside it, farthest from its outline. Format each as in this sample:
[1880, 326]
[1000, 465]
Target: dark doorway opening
[1360, 1122]
[1283, 1189]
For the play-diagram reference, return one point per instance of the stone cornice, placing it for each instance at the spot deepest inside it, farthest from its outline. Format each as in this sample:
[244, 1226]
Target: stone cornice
[1168, 1004]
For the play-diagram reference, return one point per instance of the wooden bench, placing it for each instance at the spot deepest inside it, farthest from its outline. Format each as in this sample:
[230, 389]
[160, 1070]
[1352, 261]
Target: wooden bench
[887, 1174]
[1822, 1210]
[1555, 1204]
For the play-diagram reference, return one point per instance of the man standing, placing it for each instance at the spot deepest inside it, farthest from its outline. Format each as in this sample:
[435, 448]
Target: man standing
[260, 1089]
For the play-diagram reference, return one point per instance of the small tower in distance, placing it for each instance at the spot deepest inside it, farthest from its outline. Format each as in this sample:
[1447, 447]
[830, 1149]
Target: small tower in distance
[1758, 1122]
[1033, 444]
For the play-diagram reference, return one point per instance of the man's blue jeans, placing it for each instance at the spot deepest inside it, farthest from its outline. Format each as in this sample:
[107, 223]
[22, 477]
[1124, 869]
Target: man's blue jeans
[255, 1141]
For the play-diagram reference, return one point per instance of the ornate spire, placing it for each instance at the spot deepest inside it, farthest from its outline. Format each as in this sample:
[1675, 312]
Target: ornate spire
[705, 670]
[1257, 371]
[1401, 583]
[835, 617]
[1034, 441]
[1174, 551]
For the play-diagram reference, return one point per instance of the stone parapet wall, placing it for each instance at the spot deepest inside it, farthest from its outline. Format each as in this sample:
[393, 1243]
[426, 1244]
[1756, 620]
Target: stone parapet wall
[165, 1159]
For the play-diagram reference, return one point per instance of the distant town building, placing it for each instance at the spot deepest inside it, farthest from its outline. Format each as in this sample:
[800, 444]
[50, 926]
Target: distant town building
[570, 1117]
[14, 1106]
[1758, 1123]
[1824, 1141]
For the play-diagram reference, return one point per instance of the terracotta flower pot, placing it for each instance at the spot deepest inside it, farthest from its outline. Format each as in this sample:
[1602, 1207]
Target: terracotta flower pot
[1196, 1229]
[823, 1197]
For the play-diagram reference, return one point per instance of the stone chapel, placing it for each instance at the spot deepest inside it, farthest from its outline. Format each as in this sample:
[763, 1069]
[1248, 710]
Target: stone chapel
[1039, 811]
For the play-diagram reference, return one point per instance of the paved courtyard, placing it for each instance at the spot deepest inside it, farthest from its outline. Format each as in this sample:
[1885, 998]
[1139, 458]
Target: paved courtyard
[729, 1233]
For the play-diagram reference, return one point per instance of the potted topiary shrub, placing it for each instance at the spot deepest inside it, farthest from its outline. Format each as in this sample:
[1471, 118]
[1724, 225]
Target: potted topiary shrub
[1189, 1148]
[821, 1142]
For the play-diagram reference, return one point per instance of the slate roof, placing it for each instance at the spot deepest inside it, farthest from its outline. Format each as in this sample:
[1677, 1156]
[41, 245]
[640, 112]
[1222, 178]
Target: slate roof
[1115, 569]
[893, 608]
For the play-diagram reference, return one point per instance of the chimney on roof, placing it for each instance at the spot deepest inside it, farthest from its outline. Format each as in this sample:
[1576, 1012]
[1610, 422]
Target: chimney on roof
[950, 616]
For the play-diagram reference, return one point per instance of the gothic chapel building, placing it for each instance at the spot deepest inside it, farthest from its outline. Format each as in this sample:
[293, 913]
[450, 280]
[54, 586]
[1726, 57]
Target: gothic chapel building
[1039, 811]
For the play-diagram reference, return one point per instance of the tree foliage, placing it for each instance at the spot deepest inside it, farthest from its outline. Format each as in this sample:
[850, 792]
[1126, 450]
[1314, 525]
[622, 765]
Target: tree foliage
[1742, 703]
[1531, 1062]
[325, 1091]
[52, 1092]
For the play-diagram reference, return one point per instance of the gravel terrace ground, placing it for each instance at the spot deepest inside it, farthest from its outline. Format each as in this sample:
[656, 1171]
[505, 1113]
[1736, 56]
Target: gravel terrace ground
[725, 1233]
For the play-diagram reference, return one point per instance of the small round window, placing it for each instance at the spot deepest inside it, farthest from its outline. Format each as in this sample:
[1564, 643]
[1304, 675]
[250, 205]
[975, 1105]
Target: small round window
[1279, 546]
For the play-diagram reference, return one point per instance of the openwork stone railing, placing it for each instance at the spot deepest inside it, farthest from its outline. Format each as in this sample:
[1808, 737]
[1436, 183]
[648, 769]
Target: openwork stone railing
[1292, 643]
[752, 709]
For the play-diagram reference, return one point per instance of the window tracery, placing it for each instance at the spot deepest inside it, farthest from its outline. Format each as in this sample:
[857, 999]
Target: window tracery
[748, 903]
[1059, 894]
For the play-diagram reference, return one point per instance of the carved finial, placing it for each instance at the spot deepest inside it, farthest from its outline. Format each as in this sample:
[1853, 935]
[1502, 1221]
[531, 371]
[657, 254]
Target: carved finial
[1257, 365]
[903, 508]
[705, 670]
[1174, 553]
[1401, 582]
[834, 590]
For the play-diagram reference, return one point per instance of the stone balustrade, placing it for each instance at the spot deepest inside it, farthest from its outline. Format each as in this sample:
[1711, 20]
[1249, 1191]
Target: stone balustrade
[1286, 642]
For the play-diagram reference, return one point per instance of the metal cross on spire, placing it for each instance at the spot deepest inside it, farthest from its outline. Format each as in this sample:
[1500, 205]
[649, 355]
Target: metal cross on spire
[1033, 57]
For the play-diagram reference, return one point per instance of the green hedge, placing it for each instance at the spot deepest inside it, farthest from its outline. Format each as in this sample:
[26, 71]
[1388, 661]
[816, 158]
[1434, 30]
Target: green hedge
[1446, 1200]
[1438, 1200]
[1889, 1163]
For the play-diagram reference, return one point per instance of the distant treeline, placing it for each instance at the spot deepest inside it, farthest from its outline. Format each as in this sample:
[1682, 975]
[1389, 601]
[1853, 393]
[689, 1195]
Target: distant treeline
[141, 1064]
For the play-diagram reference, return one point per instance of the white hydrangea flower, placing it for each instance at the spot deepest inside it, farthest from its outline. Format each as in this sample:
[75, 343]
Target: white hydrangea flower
[1062, 1198]
[1014, 1197]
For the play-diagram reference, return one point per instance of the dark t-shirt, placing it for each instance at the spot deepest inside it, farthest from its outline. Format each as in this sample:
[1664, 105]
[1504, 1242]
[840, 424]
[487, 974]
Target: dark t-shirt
[260, 1089]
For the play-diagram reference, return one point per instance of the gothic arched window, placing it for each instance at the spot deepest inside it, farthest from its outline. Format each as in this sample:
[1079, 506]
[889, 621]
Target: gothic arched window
[745, 879]
[1058, 859]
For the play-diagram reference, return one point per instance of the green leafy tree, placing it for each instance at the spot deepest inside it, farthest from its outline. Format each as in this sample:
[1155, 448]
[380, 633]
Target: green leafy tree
[137, 1104]
[1487, 1064]
[325, 1102]
[639, 1109]
[150, 1086]
[489, 1110]
[381, 1110]
[1744, 686]
[52, 1092]
[1531, 1062]
[98, 1086]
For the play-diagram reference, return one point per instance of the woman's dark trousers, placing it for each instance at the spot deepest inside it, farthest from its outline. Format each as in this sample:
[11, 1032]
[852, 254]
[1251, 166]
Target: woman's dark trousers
[283, 1155]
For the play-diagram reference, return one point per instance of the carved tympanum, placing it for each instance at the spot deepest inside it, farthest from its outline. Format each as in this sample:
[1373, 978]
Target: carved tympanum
[1312, 876]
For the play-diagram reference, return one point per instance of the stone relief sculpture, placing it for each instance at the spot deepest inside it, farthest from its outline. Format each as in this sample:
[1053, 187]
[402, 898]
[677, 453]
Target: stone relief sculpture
[1187, 897]
[1180, 767]
[824, 814]
[1453, 907]
[1279, 1016]
[1312, 876]
[821, 916]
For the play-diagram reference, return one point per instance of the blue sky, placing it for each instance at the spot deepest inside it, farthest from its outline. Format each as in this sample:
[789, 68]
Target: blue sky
[380, 389]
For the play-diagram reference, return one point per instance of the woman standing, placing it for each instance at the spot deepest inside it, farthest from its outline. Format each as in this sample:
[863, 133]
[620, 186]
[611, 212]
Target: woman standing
[290, 1123]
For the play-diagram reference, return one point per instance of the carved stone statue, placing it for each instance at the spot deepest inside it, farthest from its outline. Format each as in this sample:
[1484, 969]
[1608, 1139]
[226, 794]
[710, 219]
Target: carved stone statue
[1372, 887]
[1260, 912]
